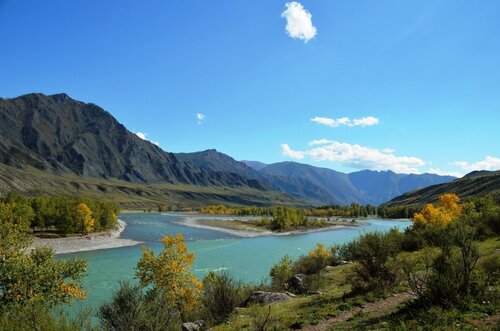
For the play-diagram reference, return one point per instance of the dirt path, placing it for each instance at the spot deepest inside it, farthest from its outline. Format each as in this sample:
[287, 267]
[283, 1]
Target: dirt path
[378, 308]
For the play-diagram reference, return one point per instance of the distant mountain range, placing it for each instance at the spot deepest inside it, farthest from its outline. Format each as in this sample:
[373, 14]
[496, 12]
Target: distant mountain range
[476, 183]
[323, 185]
[60, 136]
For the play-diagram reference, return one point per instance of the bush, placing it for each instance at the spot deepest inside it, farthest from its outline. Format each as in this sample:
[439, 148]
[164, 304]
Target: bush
[130, 309]
[316, 260]
[39, 316]
[220, 296]
[124, 311]
[372, 252]
[281, 272]
[454, 279]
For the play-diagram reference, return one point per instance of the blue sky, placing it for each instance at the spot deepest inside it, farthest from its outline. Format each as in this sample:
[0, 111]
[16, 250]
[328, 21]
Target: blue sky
[419, 81]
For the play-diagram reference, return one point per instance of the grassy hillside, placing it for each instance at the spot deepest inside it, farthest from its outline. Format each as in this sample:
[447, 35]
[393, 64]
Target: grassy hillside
[474, 184]
[134, 195]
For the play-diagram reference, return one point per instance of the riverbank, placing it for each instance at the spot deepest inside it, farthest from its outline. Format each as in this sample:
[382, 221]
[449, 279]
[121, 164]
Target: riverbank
[239, 229]
[90, 242]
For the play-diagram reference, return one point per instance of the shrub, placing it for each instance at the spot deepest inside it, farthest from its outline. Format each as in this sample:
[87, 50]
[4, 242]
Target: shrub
[281, 272]
[39, 316]
[130, 309]
[220, 296]
[125, 309]
[454, 279]
[372, 251]
[316, 260]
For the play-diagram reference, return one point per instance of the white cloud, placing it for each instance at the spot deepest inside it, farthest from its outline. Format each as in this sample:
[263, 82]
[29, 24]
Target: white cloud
[298, 22]
[356, 156]
[143, 135]
[388, 150]
[363, 121]
[440, 172]
[489, 163]
[287, 151]
[200, 117]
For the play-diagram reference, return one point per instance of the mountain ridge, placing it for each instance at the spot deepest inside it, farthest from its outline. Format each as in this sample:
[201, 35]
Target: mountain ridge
[60, 135]
[476, 183]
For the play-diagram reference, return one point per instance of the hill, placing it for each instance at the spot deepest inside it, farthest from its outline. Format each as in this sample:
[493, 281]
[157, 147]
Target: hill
[43, 135]
[477, 183]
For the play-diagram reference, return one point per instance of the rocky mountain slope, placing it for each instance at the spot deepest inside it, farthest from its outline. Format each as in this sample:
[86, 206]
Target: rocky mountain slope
[477, 183]
[58, 134]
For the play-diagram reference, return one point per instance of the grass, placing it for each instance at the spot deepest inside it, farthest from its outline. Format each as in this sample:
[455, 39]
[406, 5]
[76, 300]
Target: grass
[337, 297]
[302, 310]
[129, 195]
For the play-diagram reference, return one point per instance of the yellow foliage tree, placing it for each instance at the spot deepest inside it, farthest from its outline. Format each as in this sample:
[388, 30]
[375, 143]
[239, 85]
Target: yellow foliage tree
[83, 217]
[320, 251]
[447, 210]
[169, 273]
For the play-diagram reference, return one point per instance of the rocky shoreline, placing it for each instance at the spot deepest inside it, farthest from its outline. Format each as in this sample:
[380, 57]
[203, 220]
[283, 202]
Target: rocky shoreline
[209, 224]
[91, 242]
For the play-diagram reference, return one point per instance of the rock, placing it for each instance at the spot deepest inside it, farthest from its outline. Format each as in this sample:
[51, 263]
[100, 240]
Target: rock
[342, 262]
[265, 298]
[314, 292]
[290, 294]
[297, 283]
[193, 326]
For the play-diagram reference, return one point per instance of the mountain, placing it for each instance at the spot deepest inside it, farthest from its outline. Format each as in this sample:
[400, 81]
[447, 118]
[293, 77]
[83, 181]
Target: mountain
[255, 164]
[225, 167]
[58, 135]
[477, 183]
[381, 186]
[53, 139]
[61, 135]
[326, 186]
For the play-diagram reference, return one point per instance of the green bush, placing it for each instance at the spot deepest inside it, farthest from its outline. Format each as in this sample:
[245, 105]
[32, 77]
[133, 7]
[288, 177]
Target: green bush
[221, 294]
[130, 309]
[39, 316]
[309, 265]
[372, 252]
[281, 272]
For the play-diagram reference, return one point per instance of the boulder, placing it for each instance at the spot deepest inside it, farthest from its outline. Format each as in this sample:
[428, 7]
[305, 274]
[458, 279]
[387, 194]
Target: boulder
[297, 283]
[193, 326]
[265, 298]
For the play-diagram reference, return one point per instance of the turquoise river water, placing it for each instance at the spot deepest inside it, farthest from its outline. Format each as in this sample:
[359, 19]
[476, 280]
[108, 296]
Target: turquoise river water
[248, 259]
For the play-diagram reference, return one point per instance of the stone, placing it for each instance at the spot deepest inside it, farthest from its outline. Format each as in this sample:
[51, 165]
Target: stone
[297, 283]
[265, 298]
[193, 326]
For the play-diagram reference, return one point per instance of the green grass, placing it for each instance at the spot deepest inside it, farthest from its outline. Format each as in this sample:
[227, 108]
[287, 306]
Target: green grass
[336, 297]
[302, 310]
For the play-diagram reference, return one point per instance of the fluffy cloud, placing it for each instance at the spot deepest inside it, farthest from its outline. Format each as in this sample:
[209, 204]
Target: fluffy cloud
[200, 117]
[298, 22]
[356, 156]
[363, 121]
[489, 163]
[287, 151]
[143, 135]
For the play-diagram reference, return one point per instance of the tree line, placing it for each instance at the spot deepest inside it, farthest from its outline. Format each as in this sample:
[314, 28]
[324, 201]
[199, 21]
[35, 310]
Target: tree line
[63, 215]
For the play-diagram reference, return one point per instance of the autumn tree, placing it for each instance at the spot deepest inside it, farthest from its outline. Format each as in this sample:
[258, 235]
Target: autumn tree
[83, 217]
[33, 276]
[444, 212]
[168, 273]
